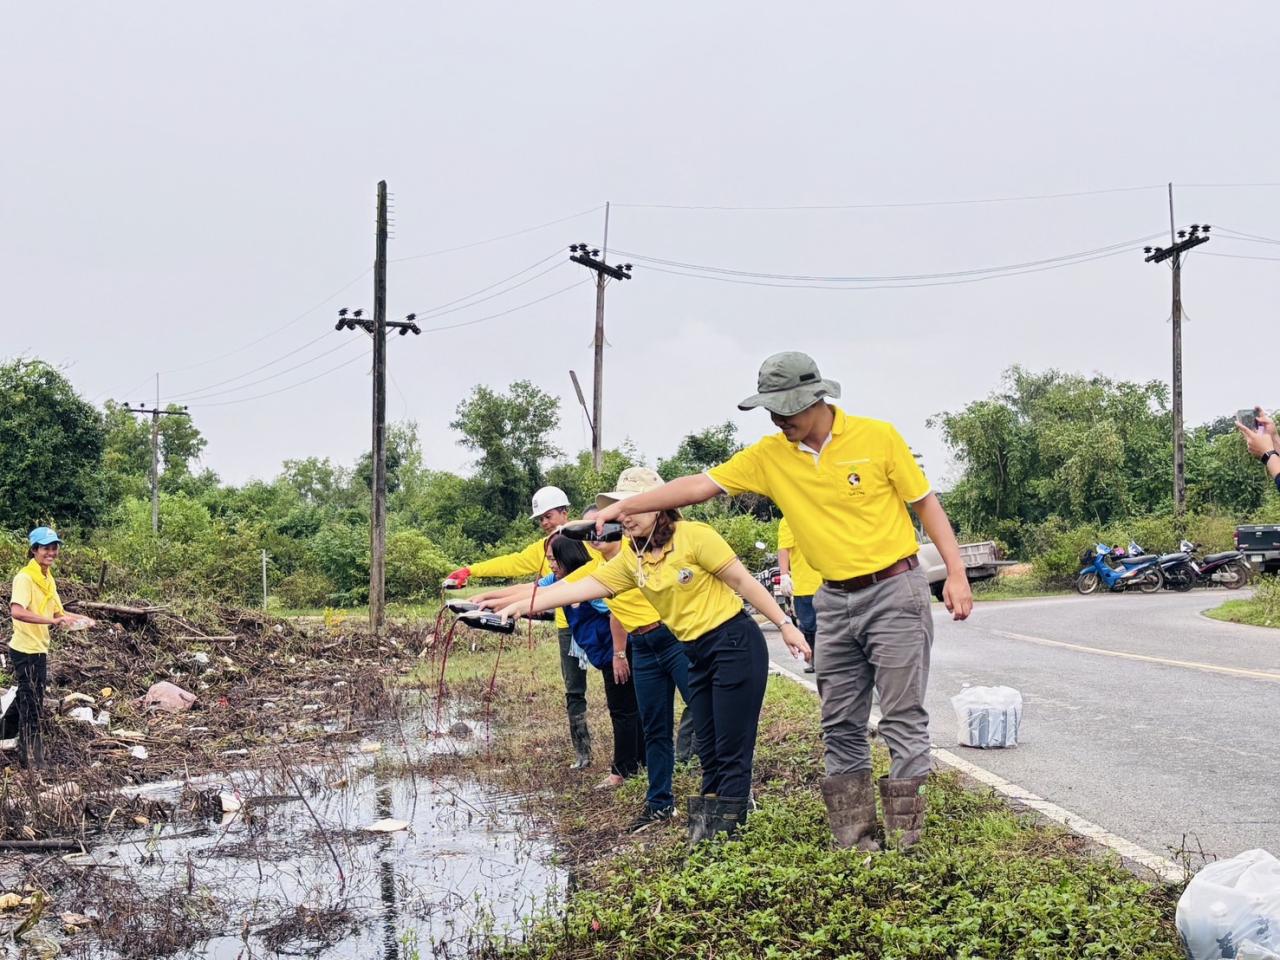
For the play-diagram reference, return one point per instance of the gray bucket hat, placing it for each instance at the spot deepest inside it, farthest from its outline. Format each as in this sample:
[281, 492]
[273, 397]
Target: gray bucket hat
[788, 383]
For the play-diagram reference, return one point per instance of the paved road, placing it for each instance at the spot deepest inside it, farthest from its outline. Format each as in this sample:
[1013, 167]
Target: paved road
[1147, 748]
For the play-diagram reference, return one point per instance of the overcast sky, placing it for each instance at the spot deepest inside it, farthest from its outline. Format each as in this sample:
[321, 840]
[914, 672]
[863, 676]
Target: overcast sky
[180, 181]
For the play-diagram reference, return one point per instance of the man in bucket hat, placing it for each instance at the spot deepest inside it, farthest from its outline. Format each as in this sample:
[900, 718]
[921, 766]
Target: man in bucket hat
[844, 484]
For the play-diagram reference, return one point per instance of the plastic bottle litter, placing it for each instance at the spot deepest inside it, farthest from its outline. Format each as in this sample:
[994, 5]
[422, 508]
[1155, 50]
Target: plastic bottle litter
[988, 717]
[1231, 908]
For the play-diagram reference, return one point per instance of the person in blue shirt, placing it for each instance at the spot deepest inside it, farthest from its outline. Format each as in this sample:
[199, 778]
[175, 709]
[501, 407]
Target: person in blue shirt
[593, 642]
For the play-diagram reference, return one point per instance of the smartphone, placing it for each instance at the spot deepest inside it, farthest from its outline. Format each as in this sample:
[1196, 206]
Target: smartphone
[1248, 418]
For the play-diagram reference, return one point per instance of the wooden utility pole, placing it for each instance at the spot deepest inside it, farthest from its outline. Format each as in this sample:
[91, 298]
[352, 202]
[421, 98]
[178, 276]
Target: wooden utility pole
[377, 328]
[156, 413]
[1180, 241]
[593, 260]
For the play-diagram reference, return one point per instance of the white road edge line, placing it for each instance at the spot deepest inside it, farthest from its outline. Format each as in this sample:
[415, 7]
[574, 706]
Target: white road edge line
[1163, 868]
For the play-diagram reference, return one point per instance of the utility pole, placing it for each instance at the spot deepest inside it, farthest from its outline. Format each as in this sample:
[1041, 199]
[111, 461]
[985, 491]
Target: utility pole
[1180, 241]
[377, 328]
[156, 413]
[593, 260]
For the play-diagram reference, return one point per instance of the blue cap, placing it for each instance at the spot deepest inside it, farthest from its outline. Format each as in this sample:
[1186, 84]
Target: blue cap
[42, 537]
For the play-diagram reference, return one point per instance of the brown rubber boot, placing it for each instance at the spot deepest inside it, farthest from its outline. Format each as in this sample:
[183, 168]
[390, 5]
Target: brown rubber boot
[851, 809]
[904, 806]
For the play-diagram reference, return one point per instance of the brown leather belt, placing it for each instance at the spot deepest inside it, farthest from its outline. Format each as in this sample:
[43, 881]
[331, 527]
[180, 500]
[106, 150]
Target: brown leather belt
[641, 631]
[854, 584]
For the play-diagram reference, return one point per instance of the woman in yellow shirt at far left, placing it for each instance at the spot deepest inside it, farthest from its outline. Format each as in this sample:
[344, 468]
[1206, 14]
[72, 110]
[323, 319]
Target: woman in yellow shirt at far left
[35, 607]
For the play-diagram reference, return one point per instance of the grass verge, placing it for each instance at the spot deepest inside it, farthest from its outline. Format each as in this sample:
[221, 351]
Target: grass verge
[1260, 610]
[985, 882]
[1016, 586]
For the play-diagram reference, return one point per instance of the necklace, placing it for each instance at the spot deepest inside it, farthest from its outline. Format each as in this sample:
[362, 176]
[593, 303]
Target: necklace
[641, 579]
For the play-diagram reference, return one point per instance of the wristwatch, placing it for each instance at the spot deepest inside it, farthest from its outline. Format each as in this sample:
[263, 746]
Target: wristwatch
[1268, 455]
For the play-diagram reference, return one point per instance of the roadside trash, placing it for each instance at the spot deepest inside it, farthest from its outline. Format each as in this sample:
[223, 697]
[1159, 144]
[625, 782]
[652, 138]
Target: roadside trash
[71, 700]
[83, 714]
[988, 717]
[168, 697]
[78, 624]
[460, 730]
[106, 693]
[230, 802]
[370, 746]
[387, 826]
[139, 752]
[201, 658]
[10, 901]
[74, 920]
[128, 734]
[63, 791]
[1231, 908]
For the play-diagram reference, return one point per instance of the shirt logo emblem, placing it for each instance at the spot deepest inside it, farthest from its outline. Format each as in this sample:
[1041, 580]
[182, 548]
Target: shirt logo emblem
[855, 480]
[685, 575]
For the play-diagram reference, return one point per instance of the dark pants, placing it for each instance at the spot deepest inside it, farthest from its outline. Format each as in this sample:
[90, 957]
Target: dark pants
[628, 738]
[728, 670]
[806, 616]
[686, 749]
[659, 667]
[575, 678]
[31, 671]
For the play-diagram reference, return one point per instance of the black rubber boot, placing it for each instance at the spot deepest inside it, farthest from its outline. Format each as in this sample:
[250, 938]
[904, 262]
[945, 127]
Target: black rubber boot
[726, 816]
[699, 808]
[581, 737]
[851, 809]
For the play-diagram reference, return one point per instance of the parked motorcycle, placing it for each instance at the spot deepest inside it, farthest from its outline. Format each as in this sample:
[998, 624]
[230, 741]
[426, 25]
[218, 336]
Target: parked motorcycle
[1188, 568]
[1141, 572]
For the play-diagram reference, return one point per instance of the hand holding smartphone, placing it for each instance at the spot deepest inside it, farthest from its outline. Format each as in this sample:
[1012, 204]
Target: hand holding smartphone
[1249, 418]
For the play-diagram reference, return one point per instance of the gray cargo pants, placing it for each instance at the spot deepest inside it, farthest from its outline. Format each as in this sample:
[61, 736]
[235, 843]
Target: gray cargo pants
[880, 636]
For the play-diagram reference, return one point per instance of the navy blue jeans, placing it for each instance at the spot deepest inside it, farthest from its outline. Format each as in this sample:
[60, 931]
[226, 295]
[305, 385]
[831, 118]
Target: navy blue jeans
[659, 667]
[728, 671]
[806, 616]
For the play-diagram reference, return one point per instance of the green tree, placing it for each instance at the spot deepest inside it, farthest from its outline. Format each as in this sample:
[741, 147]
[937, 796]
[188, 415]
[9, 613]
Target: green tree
[699, 451]
[51, 449]
[581, 481]
[511, 433]
[181, 443]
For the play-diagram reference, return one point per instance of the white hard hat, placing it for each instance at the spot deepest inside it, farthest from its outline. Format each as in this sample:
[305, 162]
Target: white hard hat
[548, 498]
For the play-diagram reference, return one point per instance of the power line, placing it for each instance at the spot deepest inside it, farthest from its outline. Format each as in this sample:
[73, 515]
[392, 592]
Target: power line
[891, 205]
[501, 236]
[1114, 247]
[443, 309]
[269, 363]
[1237, 256]
[206, 394]
[347, 363]
[272, 333]
[495, 316]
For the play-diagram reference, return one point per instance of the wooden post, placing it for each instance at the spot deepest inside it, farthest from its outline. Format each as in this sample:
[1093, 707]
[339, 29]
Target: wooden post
[378, 535]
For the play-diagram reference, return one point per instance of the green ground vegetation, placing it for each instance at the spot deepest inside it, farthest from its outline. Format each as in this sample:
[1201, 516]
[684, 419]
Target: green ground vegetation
[985, 883]
[1261, 610]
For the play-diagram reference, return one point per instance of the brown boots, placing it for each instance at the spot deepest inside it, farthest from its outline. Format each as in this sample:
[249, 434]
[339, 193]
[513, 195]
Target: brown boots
[851, 809]
[904, 807]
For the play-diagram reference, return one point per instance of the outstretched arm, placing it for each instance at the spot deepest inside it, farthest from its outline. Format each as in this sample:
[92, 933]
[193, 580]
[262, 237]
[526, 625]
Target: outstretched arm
[505, 594]
[680, 492]
[562, 594]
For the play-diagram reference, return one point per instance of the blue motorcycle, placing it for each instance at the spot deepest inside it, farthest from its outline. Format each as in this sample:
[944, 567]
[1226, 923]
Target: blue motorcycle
[1141, 572]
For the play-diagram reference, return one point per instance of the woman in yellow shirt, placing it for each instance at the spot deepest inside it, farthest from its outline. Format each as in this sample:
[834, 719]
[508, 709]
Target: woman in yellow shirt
[35, 606]
[696, 583]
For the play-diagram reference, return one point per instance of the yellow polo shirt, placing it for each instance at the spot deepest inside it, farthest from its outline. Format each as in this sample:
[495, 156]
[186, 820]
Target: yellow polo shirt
[681, 583]
[529, 562]
[805, 580]
[848, 503]
[633, 610]
[39, 594]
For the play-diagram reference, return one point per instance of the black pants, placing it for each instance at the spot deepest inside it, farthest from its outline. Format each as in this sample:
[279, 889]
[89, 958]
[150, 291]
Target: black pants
[728, 671]
[32, 672]
[628, 734]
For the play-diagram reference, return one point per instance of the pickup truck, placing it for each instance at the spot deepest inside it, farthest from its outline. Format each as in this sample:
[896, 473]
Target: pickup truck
[1260, 543]
[981, 562]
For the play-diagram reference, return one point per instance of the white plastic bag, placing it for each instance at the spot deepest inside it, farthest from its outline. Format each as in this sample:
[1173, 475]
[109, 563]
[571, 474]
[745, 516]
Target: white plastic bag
[988, 717]
[1231, 908]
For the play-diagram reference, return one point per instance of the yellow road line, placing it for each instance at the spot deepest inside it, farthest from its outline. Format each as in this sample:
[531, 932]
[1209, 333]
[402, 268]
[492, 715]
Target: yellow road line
[1186, 664]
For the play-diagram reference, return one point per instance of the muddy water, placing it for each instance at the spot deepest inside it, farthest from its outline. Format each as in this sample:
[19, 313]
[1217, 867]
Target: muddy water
[294, 872]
